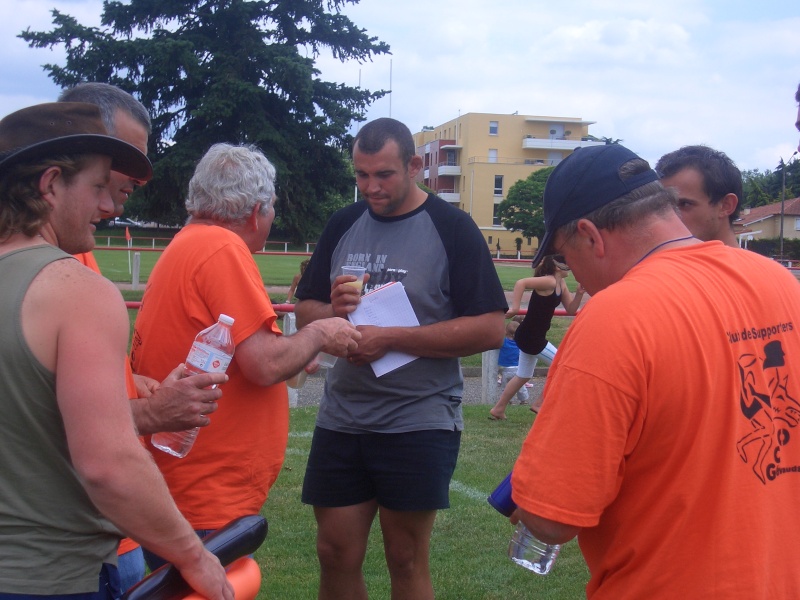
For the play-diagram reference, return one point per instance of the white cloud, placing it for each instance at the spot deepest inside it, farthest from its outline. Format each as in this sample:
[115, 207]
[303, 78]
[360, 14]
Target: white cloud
[656, 74]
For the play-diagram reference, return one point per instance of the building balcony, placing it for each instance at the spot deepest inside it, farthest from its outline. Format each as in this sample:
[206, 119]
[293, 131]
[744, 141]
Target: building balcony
[449, 195]
[558, 143]
[449, 169]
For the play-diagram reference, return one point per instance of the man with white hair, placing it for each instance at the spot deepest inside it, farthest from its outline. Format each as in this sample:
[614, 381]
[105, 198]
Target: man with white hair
[206, 270]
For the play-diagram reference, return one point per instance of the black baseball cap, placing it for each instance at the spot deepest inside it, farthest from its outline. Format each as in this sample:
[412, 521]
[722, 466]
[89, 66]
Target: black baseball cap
[586, 180]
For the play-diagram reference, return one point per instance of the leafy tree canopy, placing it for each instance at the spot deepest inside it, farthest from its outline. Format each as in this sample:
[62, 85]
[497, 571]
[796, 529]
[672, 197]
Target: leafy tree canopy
[234, 71]
[766, 187]
[522, 209]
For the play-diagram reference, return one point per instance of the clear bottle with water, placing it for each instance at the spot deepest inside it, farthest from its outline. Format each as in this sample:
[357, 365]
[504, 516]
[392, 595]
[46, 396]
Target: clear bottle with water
[211, 352]
[524, 548]
[531, 553]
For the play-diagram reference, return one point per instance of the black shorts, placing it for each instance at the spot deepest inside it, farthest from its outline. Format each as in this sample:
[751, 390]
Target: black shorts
[402, 471]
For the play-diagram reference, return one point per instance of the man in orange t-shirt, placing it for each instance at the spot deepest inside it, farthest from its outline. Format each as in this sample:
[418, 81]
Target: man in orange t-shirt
[208, 269]
[679, 467]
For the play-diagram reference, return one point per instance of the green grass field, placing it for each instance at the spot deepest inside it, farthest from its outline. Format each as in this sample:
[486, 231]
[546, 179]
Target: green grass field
[468, 547]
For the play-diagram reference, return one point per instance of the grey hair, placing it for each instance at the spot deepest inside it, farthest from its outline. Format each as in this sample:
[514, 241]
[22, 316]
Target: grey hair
[228, 182]
[649, 199]
[109, 99]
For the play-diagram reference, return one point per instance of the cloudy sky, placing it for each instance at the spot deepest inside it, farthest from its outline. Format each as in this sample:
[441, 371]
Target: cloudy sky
[656, 74]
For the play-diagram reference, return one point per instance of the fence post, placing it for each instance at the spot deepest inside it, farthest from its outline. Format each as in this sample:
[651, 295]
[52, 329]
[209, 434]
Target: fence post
[289, 328]
[135, 280]
[489, 387]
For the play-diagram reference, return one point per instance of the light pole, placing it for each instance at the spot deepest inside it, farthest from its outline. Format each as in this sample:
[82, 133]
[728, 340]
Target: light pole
[783, 195]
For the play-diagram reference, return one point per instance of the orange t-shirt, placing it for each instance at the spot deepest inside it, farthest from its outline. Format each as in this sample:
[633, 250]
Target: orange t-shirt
[88, 259]
[207, 270]
[669, 430]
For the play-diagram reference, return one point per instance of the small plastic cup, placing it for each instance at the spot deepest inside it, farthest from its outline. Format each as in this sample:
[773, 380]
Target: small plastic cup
[297, 381]
[358, 272]
[325, 360]
[531, 553]
[500, 498]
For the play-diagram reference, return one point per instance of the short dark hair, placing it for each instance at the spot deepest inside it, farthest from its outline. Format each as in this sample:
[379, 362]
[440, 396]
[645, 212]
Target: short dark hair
[720, 174]
[374, 135]
[109, 99]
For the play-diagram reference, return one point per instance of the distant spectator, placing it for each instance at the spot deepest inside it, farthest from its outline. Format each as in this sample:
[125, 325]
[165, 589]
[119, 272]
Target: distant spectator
[296, 280]
[508, 361]
[549, 290]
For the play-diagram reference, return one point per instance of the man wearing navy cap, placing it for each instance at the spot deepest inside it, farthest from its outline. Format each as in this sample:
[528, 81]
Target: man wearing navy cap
[678, 468]
[72, 471]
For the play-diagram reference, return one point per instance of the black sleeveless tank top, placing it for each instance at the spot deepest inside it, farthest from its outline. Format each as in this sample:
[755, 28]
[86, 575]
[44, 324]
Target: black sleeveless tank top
[531, 334]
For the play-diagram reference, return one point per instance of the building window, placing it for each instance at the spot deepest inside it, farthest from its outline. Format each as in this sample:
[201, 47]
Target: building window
[495, 217]
[492, 155]
[529, 241]
[498, 185]
[490, 239]
[797, 224]
[493, 127]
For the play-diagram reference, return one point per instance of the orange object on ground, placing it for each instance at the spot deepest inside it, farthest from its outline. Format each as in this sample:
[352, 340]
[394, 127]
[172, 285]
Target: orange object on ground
[245, 577]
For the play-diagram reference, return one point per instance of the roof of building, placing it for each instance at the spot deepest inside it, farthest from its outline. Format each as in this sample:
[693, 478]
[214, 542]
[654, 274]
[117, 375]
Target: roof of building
[759, 213]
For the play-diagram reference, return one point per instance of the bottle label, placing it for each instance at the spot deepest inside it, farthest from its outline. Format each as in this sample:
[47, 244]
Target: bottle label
[207, 358]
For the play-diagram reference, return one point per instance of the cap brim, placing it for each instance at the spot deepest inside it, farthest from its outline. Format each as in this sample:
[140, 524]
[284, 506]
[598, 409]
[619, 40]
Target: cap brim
[125, 158]
[543, 249]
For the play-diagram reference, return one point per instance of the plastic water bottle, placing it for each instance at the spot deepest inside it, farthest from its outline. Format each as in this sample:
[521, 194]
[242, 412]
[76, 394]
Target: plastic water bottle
[211, 352]
[524, 549]
[531, 553]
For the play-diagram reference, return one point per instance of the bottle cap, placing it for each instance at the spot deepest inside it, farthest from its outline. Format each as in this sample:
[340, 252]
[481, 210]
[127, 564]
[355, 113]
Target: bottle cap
[223, 318]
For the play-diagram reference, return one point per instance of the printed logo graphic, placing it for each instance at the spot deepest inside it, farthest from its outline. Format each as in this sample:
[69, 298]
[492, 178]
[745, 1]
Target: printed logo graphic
[771, 410]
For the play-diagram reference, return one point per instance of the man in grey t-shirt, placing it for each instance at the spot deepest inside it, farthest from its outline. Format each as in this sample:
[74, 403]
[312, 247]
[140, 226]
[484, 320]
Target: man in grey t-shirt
[389, 444]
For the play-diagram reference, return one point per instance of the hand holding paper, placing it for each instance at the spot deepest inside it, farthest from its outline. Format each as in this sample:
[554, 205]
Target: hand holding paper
[388, 306]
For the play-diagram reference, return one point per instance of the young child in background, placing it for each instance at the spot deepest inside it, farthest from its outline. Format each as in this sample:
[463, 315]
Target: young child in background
[508, 361]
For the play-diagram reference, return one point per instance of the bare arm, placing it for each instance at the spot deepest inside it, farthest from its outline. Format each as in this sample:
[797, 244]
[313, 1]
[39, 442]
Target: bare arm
[292, 288]
[543, 283]
[266, 358]
[461, 336]
[570, 301]
[516, 299]
[550, 532]
[457, 337]
[116, 471]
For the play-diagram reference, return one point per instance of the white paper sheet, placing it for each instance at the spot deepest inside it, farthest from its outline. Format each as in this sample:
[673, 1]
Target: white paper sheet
[388, 306]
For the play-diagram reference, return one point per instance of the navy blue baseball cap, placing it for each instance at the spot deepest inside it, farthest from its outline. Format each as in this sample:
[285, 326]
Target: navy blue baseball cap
[586, 180]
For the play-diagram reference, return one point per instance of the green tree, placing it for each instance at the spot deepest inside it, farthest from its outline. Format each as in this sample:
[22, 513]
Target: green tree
[229, 71]
[522, 208]
[765, 187]
[756, 188]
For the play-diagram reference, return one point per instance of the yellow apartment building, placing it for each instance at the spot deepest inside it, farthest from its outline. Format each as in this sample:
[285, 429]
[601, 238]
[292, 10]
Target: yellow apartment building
[473, 160]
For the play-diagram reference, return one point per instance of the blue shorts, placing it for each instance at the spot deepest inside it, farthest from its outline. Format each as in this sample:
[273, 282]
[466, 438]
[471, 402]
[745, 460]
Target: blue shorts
[108, 589]
[402, 471]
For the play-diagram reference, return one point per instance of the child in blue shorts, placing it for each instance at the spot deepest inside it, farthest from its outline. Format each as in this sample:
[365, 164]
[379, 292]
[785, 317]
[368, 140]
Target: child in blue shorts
[508, 360]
